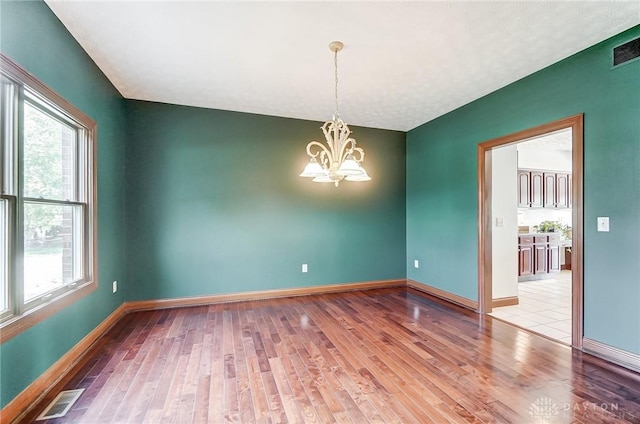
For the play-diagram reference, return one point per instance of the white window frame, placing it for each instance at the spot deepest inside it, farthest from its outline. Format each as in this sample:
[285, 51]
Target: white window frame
[21, 315]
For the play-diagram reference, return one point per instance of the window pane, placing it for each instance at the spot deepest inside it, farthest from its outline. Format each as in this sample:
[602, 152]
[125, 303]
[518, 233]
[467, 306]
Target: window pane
[4, 254]
[52, 253]
[49, 156]
[7, 134]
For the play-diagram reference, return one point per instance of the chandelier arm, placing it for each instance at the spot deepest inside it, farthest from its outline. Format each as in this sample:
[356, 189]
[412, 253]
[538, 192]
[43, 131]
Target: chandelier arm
[358, 154]
[346, 143]
[326, 129]
[340, 140]
[321, 149]
[345, 132]
[348, 148]
[325, 160]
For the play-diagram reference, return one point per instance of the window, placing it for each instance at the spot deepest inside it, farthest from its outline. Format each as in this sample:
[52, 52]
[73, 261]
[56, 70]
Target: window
[47, 201]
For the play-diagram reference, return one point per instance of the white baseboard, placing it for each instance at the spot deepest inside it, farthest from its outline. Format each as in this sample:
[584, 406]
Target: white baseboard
[612, 354]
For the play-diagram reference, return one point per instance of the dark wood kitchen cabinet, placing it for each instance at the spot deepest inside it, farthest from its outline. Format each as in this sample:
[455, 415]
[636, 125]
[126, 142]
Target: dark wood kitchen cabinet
[556, 190]
[538, 254]
[563, 188]
[553, 252]
[525, 256]
[544, 189]
[524, 188]
[550, 190]
[530, 188]
[553, 257]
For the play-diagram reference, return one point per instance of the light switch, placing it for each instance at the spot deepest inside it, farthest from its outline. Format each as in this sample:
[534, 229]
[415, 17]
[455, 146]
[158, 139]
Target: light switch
[499, 222]
[603, 223]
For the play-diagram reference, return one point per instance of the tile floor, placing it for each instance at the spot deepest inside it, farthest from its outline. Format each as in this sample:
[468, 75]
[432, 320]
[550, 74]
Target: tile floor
[545, 307]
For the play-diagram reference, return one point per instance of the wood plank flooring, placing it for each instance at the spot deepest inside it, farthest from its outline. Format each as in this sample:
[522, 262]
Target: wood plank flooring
[378, 356]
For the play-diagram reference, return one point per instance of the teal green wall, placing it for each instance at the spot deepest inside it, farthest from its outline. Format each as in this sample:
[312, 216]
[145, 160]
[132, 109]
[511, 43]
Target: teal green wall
[33, 37]
[442, 183]
[215, 205]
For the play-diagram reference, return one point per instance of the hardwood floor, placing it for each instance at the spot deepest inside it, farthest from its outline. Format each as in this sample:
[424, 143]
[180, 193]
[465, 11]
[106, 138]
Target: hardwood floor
[385, 356]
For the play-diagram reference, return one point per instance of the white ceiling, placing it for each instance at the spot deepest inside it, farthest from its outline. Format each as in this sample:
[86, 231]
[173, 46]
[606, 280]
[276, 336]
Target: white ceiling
[404, 63]
[558, 140]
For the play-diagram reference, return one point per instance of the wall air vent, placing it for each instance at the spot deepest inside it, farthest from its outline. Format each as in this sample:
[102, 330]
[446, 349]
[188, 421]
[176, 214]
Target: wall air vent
[626, 52]
[60, 405]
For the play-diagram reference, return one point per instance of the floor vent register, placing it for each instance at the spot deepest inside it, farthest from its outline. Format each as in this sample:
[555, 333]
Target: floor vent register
[60, 405]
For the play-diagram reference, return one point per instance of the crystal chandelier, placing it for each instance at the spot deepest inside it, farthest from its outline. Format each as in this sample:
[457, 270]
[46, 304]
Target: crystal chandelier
[341, 159]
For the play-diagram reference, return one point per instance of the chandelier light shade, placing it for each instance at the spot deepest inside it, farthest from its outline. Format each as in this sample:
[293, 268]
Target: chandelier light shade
[339, 159]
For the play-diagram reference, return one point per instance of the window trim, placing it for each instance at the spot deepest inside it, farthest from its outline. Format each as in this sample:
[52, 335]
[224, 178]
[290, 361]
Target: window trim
[19, 323]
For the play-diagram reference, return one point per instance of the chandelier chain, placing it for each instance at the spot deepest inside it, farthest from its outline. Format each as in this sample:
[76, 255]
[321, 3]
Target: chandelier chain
[335, 67]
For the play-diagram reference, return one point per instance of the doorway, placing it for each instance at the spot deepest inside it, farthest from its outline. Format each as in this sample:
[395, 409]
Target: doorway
[540, 268]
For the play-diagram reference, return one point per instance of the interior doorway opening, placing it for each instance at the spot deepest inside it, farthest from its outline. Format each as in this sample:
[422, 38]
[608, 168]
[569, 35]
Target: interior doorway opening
[530, 229]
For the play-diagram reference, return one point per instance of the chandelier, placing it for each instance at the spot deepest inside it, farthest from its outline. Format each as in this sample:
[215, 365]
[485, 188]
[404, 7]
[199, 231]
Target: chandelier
[340, 158]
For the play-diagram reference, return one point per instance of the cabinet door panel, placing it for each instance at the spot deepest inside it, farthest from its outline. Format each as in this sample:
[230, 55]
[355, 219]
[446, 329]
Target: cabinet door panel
[525, 260]
[537, 183]
[562, 191]
[549, 190]
[554, 258]
[540, 259]
[524, 189]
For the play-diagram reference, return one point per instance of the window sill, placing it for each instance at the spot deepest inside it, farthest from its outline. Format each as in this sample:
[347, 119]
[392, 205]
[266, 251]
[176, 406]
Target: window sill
[16, 325]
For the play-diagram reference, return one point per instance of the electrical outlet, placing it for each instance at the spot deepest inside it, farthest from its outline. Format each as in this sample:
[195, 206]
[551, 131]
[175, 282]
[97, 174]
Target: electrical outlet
[416, 263]
[305, 268]
[114, 286]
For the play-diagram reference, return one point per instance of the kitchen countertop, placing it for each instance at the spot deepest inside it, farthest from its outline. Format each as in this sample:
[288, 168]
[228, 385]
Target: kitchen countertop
[562, 242]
